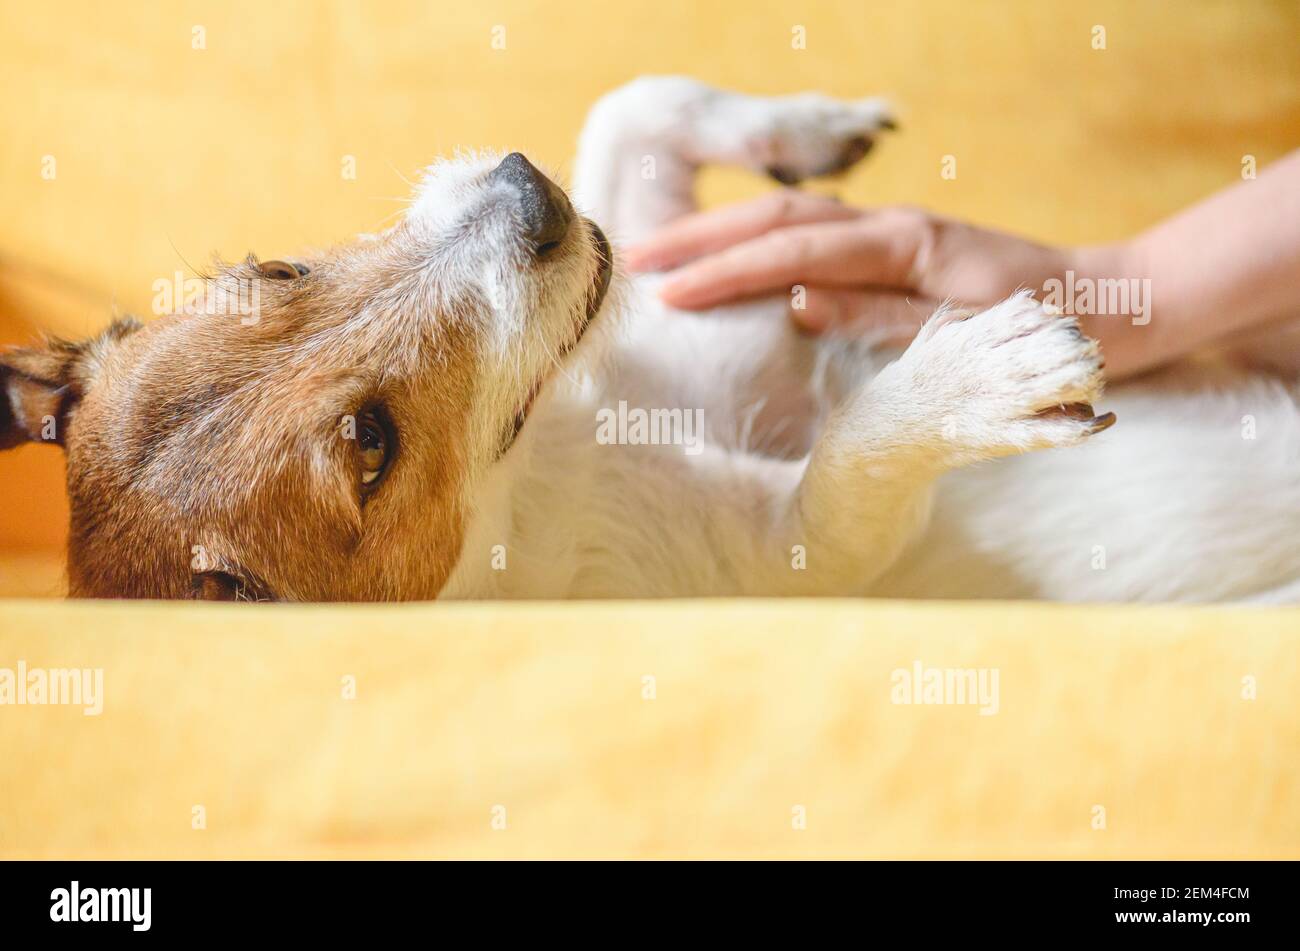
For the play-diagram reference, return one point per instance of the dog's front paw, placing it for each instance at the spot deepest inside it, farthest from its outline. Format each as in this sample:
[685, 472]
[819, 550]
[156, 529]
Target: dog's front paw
[1015, 377]
[809, 135]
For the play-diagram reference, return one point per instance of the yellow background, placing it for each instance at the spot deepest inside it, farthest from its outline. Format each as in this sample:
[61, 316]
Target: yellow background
[165, 154]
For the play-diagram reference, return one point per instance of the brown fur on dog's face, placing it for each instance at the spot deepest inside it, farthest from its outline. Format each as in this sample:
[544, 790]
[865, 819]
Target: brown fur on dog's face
[225, 452]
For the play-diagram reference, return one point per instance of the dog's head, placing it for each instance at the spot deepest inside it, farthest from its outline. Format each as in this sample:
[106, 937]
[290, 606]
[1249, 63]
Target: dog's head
[314, 430]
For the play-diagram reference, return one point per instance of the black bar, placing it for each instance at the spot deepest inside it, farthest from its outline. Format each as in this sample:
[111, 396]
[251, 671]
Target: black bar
[972, 900]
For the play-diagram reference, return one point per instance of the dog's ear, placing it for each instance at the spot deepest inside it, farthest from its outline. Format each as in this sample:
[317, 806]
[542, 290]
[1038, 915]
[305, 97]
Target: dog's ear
[40, 386]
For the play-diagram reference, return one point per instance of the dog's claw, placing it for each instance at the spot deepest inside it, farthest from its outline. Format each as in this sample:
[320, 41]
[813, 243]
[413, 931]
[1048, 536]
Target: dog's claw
[1080, 411]
[855, 150]
[784, 175]
[1104, 421]
[1084, 413]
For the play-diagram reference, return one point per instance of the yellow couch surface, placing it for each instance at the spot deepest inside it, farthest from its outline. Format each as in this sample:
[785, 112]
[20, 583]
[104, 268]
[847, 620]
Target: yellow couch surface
[140, 138]
[539, 717]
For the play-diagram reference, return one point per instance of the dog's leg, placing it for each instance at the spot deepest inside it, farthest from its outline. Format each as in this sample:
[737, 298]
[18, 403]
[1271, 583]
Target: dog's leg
[643, 143]
[1011, 379]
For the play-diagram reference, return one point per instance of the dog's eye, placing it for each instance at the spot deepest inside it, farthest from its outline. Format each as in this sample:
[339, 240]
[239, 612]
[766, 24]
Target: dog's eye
[223, 586]
[215, 586]
[373, 449]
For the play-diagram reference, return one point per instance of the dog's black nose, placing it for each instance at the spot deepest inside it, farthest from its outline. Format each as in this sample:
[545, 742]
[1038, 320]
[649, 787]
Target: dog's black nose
[543, 207]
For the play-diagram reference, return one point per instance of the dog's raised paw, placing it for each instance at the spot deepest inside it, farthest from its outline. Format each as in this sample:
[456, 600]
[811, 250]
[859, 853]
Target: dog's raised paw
[811, 135]
[1014, 377]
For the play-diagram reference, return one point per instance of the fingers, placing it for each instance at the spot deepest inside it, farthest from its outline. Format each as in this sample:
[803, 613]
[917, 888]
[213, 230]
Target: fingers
[890, 318]
[708, 231]
[864, 251]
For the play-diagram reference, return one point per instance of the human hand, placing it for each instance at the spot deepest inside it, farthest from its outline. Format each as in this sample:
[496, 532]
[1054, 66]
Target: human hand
[875, 271]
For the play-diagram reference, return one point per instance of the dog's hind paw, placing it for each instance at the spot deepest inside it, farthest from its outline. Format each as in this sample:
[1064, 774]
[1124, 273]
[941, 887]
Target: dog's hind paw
[810, 135]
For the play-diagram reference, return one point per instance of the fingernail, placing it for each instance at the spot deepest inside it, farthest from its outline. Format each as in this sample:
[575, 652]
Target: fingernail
[675, 291]
[635, 259]
[686, 295]
[815, 320]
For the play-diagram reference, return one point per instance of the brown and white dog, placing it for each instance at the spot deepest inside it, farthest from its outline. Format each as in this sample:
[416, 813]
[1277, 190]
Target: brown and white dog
[419, 414]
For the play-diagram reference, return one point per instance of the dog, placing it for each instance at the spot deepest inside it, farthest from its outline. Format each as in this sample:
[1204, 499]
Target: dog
[457, 408]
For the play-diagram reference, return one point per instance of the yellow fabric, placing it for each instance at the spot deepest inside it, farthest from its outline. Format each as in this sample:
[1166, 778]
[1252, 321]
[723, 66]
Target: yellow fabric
[759, 708]
[163, 152]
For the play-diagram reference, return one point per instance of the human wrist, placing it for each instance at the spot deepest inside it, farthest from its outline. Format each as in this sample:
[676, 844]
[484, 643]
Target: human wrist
[1108, 289]
[1111, 261]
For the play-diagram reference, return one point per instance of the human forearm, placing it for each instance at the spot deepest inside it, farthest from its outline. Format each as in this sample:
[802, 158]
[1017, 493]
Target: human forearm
[1226, 266]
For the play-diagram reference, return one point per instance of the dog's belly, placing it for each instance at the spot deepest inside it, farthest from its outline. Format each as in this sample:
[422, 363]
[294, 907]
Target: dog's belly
[1193, 496]
[744, 369]
[759, 383]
